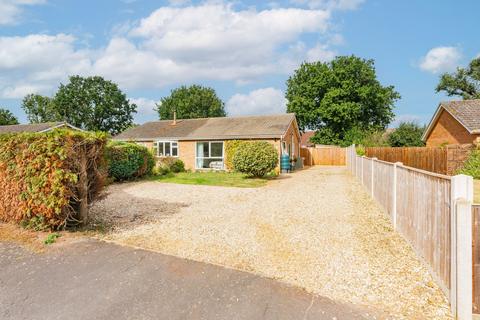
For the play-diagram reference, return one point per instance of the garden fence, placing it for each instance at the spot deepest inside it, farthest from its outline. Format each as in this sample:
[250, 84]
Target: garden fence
[327, 155]
[433, 213]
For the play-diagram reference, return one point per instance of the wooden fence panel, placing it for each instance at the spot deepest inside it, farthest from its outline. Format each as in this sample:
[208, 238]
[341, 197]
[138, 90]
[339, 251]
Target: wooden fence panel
[476, 257]
[423, 217]
[367, 173]
[383, 192]
[326, 156]
[429, 159]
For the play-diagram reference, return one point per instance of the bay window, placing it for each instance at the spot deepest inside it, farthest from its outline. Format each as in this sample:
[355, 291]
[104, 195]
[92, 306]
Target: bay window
[209, 155]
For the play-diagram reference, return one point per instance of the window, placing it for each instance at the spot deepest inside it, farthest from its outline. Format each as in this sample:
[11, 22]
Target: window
[165, 149]
[209, 155]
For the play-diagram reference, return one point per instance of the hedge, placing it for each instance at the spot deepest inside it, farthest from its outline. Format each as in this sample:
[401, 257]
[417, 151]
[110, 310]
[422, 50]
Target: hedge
[255, 158]
[48, 179]
[231, 147]
[128, 161]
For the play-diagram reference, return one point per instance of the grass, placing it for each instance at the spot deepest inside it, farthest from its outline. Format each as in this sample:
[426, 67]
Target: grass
[476, 191]
[212, 178]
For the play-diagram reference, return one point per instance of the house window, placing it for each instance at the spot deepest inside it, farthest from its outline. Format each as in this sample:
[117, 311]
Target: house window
[209, 155]
[165, 149]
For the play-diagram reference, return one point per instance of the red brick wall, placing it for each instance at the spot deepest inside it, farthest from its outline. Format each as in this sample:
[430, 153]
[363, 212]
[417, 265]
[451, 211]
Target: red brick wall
[448, 130]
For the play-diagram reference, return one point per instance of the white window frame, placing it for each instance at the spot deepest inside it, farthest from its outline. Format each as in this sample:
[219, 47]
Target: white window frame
[171, 142]
[209, 154]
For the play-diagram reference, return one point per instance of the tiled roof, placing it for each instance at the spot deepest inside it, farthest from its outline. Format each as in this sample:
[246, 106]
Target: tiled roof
[306, 138]
[33, 127]
[467, 112]
[247, 127]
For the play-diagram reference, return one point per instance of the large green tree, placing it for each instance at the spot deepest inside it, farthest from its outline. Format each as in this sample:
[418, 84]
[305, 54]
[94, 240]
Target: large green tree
[408, 134]
[337, 97]
[6, 117]
[465, 82]
[39, 108]
[91, 103]
[191, 102]
[94, 103]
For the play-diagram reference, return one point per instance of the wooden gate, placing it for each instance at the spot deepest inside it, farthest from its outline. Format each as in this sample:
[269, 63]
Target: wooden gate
[326, 156]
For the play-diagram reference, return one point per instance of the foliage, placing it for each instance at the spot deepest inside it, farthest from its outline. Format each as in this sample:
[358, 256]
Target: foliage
[39, 109]
[47, 178]
[231, 147]
[465, 82]
[51, 238]
[337, 96]
[128, 160]
[91, 103]
[471, 167]
[213, 178]
[7, 118]
[408, 134]
[255, 158]
[170, 164]
[94, 104]
[191, 102]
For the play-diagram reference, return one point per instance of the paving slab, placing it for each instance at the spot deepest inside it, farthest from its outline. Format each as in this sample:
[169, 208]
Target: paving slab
[90, 279]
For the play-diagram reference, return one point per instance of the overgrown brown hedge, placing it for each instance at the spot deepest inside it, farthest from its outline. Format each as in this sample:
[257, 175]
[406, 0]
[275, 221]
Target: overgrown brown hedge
[48, 179]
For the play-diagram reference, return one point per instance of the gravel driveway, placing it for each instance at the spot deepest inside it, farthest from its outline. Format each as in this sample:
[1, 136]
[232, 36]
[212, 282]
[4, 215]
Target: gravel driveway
[317, 229]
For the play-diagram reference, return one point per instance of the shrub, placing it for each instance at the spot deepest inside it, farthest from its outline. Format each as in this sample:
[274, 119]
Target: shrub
[170, 164]
[48, 179]
[231, 147]
[471, 167]
[255, 158]
[128, 161]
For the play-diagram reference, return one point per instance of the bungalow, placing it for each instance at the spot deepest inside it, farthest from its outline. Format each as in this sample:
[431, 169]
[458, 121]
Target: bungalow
[36, 127]
[200, 143]
[454, 122]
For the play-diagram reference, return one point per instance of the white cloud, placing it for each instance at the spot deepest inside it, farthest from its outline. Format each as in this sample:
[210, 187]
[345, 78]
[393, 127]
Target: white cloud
[441, 59]
[408, 118]
[330, 4]
[37, 63]
[260, 101]
[145, 106]
[11, 10]
[320, 53]
[173, 45]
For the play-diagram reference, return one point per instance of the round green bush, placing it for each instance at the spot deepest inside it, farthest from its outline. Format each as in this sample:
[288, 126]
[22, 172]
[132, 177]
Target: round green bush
[128, 160]
[255, 158]
[170, 164]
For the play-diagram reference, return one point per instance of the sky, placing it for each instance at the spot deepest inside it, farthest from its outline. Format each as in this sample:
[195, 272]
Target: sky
[245, 50]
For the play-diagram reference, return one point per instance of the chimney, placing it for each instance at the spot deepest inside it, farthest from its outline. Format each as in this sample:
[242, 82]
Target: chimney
[174, 118]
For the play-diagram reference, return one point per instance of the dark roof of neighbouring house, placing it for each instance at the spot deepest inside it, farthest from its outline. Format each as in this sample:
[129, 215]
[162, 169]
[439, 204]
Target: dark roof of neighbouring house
[246, 127]
[306, 138]
[466, 112]
[34, 127]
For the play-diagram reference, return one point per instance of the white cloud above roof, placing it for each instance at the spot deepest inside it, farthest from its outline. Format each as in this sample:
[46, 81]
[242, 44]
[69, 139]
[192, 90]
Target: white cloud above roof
[441, 59]
[260, 101]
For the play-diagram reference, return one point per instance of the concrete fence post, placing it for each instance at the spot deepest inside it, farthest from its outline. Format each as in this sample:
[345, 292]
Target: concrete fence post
[461, 238]
[372, 168]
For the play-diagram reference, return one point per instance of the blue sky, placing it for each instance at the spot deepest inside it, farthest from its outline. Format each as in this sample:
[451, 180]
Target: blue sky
[245, 50]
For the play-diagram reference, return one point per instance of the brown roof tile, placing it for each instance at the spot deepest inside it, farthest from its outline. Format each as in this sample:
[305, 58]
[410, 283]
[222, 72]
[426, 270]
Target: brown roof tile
[247, 127]
[33, 127]
[467, 112]
[306, 138]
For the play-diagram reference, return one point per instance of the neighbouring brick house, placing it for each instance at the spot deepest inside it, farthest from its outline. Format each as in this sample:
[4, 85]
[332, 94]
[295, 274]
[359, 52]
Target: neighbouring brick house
[305, 142]
[200, 143]
[454, 122]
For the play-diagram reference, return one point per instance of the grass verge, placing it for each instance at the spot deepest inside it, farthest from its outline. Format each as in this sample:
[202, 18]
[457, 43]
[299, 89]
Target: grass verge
[212, 178]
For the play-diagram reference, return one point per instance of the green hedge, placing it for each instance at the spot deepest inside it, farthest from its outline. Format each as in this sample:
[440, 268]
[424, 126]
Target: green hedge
[170, 164]
[48, 179]
[255, 158]
[128, 161]
[471, 167]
